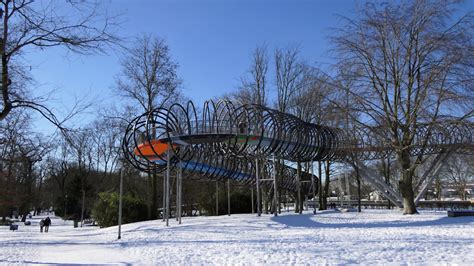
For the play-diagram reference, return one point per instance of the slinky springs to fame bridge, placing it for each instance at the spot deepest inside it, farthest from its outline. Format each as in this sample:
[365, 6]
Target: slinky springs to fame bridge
[252, 143]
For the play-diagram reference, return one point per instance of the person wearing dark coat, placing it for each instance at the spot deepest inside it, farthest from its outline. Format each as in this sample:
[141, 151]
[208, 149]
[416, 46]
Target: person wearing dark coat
[47, 223]
[41, 225]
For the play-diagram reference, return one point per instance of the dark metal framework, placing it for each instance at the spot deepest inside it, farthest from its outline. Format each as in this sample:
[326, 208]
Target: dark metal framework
[225, 140]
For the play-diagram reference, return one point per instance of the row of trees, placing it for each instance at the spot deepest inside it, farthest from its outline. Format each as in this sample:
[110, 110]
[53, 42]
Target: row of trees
[79, 173]
[79, 167]
[396, 67]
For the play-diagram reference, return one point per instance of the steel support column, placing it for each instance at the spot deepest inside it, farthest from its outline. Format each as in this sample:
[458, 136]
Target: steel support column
[228, 197]
[431, 173]
[298, 188]
[251, 198]
[179, 197]
[392, 195]
[167, 187]
[217, 198]
[120, 205]
[163, 211]
[313, 186]
[348, 188]
[275, 189]
[257, 176]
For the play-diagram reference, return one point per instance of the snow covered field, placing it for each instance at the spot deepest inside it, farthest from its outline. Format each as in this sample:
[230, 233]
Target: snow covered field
[373, 236]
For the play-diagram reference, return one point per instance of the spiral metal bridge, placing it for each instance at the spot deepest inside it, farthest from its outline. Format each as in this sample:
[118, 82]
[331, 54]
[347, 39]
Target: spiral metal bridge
[244, 142]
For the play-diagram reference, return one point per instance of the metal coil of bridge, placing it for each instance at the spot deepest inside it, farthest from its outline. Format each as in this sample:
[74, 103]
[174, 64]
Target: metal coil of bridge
[224, 139]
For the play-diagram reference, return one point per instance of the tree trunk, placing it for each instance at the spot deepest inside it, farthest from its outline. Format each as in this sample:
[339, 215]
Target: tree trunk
[408, 196]
[154, 195]
[463, 194]
[406, 184]
[326, 184]
[298, 208]
[279, 178]
[265, 200]
[438, 186]
[386, 174]
[320, 181]
[149, 195]
[359, 203]
[302, 201]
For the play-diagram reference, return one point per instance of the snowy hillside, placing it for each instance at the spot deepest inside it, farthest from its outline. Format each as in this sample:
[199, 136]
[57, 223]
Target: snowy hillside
[376, 236]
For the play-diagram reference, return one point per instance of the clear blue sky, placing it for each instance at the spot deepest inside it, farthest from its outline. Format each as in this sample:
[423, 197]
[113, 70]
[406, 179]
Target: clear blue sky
[211, 40]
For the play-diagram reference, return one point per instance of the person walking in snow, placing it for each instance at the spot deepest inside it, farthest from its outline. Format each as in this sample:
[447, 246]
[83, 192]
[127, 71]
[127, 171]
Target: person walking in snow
[47, 223]
[41, 225]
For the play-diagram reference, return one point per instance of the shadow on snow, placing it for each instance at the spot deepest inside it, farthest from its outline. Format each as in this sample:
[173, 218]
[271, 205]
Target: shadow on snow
[305, 220]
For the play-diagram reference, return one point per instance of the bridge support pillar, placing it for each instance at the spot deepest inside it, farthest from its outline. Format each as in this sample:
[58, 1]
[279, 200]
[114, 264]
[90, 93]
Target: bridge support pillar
[299, 206]
[431, 174]
[217, 198]
[251, 198]
[313, 186]
[167, 187]
[228, 197]
[384, 188]
[257, 177]
[179, 195]
[164, 197]
[348, 189]
[275, 188]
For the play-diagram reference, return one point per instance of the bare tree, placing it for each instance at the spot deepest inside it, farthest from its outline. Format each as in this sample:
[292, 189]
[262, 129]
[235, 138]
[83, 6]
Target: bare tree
[410, 62]
[12, 132]
[438, 187]
[291, 76]
[254, 86]
[291, 79]
[31, 151]
[315, 103]
[149, 74]
[58, 170]
[149, 78]
[459, 172]
[20, 152]
[253, 90]
[106, 138]
[78, 26]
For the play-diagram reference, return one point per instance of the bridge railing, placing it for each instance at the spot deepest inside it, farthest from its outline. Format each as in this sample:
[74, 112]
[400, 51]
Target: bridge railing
[214, 127]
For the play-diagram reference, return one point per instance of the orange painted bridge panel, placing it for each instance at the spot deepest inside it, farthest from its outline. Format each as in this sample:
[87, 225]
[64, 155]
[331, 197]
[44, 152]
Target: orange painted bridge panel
[152, 148]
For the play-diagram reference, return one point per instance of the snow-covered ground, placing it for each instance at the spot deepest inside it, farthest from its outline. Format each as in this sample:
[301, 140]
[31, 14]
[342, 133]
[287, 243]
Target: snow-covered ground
[373, 236]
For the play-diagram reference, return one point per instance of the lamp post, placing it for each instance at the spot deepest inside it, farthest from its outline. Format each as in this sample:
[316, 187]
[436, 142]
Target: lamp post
[65, 207]
[120, 206]
[251, 198]
[217, 198]
[257, 179]
[228, 197]
[313, 186]
[82, 209]
[168, 174]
